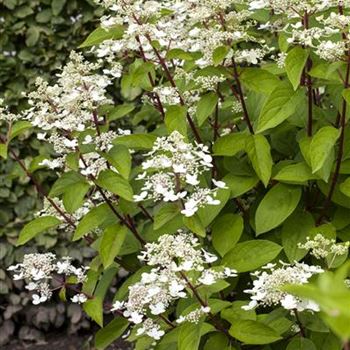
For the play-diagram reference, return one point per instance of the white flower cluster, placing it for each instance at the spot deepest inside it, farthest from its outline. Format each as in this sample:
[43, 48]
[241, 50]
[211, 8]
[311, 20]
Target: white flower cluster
[331, 51]
[267, 286]
[192, 26]
[172, 171]
[292, 7]
[68, 105]
[5, 115]
[39, 269]
[321, 247]
[324, 37]
[171, 256]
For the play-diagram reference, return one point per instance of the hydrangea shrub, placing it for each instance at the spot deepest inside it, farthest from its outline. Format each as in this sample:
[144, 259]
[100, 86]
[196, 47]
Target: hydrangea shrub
[217, 192]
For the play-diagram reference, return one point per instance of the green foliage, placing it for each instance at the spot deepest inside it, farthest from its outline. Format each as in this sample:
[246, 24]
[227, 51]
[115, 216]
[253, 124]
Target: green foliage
[35, 227]
[107, 335]
[281, 200]
[253, 332]
[295, 63]
[41, 39]
[250, 255]
[279, 139]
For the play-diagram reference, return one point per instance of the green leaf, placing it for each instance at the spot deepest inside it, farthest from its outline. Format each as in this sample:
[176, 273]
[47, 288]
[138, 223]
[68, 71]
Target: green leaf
[18, 128]
[110, 333]
[35, 227]
[346, 95]
[23, 11]
[65, 182]
[114, 183]
[99, 35]
[74, 196]
[73, 187]
[120, 111]
[57, 6]
[44, 16]
[345, 187]
[112, 240]
[235, 313]
[338, 197]
[276, 206]
[322, 145]
[94, 307]
[206, 107]
[295, 63]
[32, 36]
[240, 184]
[295, 230]
[226, 232]
[283, 41]
[208, 213]
[230, 145]
[175, 119]
[301, 344]
[258, 150]
[180, 54]
[194, 224]
[326, 341]
[295, 174]
[189, 336]
[166, 213]
[279, 106]
[259, 80]
[328, 71]
[96, 217]
[218, 341]
[253, 332]
[140, 75]
[136, 141]
[119, 157]
[250, 255]
[219, 54]
[3, 150]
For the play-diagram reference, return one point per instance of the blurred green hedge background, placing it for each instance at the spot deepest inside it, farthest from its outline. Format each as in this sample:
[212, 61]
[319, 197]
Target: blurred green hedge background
[36, 37]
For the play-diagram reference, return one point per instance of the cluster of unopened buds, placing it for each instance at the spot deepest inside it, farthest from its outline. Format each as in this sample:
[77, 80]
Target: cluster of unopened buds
[39, 270]
[321, 247]
[174, 258]
[171, 173]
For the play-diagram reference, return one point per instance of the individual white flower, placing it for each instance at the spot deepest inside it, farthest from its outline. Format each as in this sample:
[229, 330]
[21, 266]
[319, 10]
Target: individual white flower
[87, 140]
[79, 298]
[37, 299]
[176, 289]
[207, 278]
[31, 286]
[155, 333]
[219, 184]
[157, 309]
[289, 302]
[192, 179]
[117, 305]
[142, 196]
[135, 317]
[63, 266]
